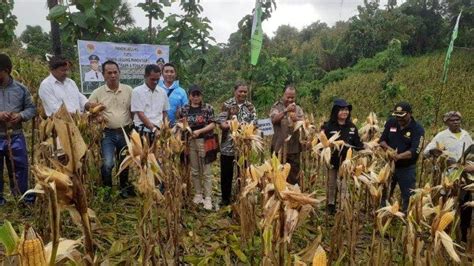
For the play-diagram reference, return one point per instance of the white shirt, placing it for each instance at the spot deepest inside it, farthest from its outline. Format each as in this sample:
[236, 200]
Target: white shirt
[54, 93]
[92, 75]
[152, 103]
[454, 146]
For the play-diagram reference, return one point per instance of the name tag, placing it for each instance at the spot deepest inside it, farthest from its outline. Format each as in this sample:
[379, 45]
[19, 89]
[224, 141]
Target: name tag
[333, 132]
[352, 132]
[393, 129]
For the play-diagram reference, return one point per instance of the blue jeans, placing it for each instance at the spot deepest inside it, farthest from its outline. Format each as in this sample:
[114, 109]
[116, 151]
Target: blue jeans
[405, 177]
[113, 142]
[19, 163]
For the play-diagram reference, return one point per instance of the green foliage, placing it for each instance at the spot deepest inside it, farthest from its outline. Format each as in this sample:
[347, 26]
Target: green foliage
[37, 42]
[420, 77]
[8, 23]
[93, 20]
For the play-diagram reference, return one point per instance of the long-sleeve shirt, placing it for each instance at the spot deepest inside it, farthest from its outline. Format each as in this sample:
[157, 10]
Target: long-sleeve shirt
[348, 133]
[54, 93]
[15, 97]
[454, 145]
[409, 138]
[283, 129]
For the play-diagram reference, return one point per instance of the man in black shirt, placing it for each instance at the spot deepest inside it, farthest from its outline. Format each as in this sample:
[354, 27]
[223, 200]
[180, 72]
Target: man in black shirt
[405, 135]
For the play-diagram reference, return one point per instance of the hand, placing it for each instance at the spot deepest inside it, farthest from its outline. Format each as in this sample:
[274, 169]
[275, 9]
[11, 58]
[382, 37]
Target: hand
[225, 125]
[15, 118]
[196, 134]
[469, 168]
[5, 116]
[291, 108]
[293, 116]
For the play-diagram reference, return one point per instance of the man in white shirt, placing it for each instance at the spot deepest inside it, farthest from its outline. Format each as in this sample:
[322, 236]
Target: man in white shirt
[57, 89]
[454, 139]
[149, 103]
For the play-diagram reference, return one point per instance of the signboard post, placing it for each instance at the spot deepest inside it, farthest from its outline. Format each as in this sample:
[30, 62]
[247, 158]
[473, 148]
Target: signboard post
[131, 58]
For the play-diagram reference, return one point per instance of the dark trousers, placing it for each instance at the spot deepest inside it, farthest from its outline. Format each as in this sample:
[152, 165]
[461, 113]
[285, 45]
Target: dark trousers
[113, 142]
[405, 177]
[294, 161]
[20, 161]
[227, 173]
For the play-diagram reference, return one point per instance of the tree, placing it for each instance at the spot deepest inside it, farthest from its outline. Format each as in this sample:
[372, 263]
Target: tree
[123, 18]
[37, 42]
[93, 20]
[8, 23]
[154, 10]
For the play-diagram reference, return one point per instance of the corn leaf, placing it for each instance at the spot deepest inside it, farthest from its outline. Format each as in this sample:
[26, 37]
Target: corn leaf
[9, 238]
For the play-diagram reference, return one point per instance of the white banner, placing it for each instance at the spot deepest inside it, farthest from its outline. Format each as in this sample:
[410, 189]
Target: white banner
[131, 58]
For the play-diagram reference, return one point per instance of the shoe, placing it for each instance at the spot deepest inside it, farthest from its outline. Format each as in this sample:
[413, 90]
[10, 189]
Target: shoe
[127, 192]
[207, 203]
[331, 208]
[198, 199]
[2, 201]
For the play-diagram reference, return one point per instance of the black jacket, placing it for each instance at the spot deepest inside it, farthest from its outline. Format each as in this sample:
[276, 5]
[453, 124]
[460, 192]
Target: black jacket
[349, 134]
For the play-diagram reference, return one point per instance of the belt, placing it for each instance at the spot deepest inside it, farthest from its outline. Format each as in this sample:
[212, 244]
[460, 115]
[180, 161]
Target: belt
[127, 129]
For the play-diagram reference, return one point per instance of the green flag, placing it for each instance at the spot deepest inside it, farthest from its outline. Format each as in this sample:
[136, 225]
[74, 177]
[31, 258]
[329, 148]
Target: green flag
[257, 34]
[450, 49]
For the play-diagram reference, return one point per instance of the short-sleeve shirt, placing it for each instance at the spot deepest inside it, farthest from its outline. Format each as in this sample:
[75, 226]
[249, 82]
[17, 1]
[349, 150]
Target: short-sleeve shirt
[283, 129]
[151, 102]
[409, 138]
[54, 93]
[197, 117]
[117, 104]
[245, 112]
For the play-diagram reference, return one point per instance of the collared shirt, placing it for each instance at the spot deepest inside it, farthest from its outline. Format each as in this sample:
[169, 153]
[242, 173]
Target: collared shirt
[454, 146]
[152, 102]
[117, 104]
[244, 112]
[409, 138]
[15, 97]
[283, 129]
[177, 98]
[54, 93]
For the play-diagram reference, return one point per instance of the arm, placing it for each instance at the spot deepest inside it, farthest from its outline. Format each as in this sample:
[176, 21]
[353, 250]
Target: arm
[205, 129]
[384, 137]
[92, 102]
[29, 108]
[145, 120]
[415, 147]
[223, 117]
[50, 103]
[431, 147]
[357, 142]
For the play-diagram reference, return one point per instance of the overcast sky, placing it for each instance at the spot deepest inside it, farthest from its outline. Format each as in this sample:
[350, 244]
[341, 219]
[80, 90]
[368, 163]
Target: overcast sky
[223, 14]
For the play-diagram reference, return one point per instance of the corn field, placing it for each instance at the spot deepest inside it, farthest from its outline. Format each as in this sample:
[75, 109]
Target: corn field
[271, 222]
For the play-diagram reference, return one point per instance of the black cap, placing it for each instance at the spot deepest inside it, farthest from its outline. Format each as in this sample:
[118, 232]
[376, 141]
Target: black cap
[93, 57]
[342, 103]
[401, 109]
[194, 88]
[160, 60]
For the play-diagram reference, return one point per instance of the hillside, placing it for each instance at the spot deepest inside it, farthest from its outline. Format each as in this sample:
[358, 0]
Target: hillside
[420, 79]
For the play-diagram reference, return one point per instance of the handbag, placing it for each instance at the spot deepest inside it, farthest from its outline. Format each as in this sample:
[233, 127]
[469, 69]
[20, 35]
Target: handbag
[211, 147]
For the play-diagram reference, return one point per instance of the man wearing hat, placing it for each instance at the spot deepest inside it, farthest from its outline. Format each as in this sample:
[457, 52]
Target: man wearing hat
[94, 74]
[454, 139]
[403, 134]
[284, 114]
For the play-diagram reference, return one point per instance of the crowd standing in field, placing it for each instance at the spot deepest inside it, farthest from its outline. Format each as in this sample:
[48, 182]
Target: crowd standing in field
[160, 98]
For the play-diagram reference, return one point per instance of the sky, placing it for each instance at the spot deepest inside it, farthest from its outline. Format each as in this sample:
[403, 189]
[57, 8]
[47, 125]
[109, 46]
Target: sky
[223, 14]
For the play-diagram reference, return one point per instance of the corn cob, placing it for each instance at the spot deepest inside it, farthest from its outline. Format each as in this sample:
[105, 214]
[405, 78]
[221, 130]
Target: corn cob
[31, 249]
[319, 258]
[136, 144]
[324, 139]
[97, 109]
[445, 220]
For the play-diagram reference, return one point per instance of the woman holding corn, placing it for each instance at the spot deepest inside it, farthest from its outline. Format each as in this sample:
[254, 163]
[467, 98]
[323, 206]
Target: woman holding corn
[200, 118]
[339, 121]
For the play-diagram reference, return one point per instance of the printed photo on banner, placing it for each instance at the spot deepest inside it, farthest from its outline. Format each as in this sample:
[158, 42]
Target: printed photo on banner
[131, 58]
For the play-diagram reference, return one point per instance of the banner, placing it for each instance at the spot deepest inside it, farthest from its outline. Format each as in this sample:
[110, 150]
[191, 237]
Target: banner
[450, 49]
[131, 58]
[257, 34]
[265, 126]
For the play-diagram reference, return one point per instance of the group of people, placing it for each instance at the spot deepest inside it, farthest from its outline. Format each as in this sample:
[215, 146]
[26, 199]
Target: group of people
[160, 97]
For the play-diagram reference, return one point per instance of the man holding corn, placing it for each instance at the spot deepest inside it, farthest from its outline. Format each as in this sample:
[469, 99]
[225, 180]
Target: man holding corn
[284, 114]
[403, 134]
[16, 107]
[115, 97]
